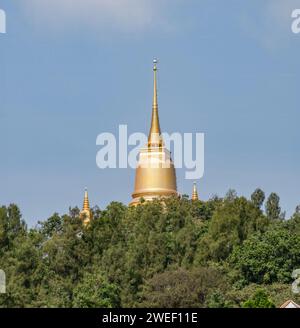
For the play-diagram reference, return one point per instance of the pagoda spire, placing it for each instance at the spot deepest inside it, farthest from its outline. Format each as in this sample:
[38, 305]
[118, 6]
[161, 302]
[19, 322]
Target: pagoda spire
[86, 203]
[155, 176]
[155, 139]
[86, 214]
[195, 192]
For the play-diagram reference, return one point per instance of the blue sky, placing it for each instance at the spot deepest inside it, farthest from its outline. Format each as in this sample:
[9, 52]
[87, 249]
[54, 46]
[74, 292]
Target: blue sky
[69, 72]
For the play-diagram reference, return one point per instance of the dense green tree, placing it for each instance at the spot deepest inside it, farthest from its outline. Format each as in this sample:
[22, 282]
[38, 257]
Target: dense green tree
[96, 291]
[181, 288]
[54, 225]
[259, 300]
[217, 299]
[11, 226]
[231, 223]
[273, 209]
[213, 253]
[268, 257]
[258, 197]
[294, 223]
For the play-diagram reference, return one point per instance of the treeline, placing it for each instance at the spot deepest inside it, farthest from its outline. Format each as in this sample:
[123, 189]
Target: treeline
[225, 252]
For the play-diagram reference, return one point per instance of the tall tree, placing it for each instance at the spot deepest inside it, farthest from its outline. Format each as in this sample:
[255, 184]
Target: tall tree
[273, 209]
[258, 197]
[231, 195]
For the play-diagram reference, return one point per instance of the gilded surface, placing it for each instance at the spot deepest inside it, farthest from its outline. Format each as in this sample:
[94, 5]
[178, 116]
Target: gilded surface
[155, 173]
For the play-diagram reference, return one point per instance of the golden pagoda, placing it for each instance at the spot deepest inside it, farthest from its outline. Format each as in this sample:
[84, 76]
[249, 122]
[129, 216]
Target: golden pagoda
[86, 214]
[195, 192]
[155, 173]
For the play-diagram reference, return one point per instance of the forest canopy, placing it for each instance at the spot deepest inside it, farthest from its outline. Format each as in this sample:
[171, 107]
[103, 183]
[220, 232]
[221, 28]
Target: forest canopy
[224, 252]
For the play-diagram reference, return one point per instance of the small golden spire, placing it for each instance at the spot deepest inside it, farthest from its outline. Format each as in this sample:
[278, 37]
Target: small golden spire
[86, 213]
[195, 192]
[86, 203]
[154, 139]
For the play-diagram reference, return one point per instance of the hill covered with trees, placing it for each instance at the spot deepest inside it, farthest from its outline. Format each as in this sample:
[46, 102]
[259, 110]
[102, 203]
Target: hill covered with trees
[225, 252]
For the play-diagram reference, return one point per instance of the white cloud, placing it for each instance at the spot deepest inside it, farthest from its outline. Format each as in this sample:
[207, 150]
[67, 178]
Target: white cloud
[116, 14]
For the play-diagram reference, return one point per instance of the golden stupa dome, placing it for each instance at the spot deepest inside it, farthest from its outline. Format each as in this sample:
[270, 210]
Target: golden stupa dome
[155, 172]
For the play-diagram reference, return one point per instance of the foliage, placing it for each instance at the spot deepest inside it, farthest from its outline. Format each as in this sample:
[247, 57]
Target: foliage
[95, 291]
[259, 300]
[181, 288]
[177, 253]
[273, 209]
[232, 222]
[268, 257]
[258, 197]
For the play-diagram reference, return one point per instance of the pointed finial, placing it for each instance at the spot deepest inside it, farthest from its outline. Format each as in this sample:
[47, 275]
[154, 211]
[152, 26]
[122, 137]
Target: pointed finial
[154, 139]
[86, 213]
[195, 192]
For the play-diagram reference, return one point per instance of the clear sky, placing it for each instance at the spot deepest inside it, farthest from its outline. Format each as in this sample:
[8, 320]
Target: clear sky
[69, 71]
